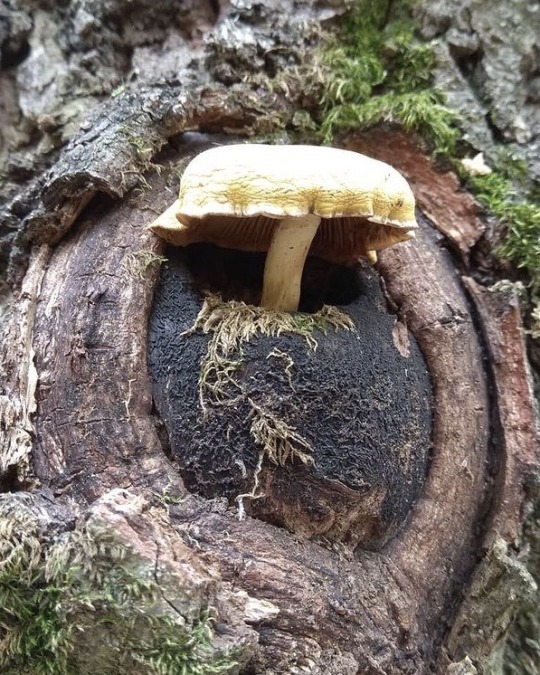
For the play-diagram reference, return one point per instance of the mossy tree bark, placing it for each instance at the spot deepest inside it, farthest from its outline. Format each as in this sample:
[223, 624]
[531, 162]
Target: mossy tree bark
[80, 437]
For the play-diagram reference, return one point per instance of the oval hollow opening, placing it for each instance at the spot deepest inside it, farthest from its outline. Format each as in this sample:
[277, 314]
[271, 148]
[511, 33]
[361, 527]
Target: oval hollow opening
[238, 275]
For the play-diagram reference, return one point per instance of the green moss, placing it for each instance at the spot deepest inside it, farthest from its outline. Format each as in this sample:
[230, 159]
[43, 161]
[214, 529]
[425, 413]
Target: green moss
[521, 216]
[84, 604]
[376, 71]
[143, 151]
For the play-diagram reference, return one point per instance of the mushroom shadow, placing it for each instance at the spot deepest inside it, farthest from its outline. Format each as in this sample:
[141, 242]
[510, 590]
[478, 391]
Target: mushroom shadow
[238, 275]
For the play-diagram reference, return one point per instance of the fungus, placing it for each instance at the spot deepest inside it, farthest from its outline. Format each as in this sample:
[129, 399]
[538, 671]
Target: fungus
[290, 201]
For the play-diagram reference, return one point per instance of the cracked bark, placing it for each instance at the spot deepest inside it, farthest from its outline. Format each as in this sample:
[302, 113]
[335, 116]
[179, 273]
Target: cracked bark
[78, 428]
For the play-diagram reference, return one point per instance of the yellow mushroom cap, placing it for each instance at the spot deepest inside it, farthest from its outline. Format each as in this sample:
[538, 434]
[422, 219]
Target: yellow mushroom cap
[234, 195]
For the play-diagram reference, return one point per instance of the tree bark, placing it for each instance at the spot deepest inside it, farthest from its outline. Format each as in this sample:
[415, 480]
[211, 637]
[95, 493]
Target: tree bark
[79, 433]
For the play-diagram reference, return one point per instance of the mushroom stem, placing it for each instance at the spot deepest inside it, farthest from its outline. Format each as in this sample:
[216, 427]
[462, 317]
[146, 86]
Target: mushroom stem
[285, 262]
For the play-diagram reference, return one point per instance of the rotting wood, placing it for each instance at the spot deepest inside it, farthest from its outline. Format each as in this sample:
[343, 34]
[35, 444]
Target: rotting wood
[438, 193]
[95, 432]
[503, 332]
[96, 317]
[19, 375]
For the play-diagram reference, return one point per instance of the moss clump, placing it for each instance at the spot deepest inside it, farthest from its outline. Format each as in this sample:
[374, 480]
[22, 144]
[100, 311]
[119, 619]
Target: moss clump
[84, 604]
[138, 263]
[233, 323]
[521, 216]
[375, 71]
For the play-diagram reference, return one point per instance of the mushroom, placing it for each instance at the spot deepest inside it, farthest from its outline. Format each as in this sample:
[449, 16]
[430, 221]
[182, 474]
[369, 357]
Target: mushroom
[290, 201]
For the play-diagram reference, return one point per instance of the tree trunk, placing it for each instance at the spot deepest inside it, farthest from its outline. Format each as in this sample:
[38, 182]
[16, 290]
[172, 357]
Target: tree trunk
[94, 502]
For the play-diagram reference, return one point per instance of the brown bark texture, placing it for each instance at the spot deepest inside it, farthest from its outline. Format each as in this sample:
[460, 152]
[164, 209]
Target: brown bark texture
[79, 432]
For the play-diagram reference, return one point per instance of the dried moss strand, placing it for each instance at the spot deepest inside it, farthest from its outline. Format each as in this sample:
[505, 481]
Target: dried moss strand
[252, 494]
[280, 441]
[234, 323]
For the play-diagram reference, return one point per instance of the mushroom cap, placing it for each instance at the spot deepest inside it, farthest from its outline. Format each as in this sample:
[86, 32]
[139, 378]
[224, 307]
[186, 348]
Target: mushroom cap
[234, 195]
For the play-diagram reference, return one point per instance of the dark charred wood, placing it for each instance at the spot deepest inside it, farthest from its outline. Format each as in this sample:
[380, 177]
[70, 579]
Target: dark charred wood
[360, 399]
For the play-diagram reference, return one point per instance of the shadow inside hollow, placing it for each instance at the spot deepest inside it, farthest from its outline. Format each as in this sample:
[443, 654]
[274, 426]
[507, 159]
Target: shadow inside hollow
[238, 275]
